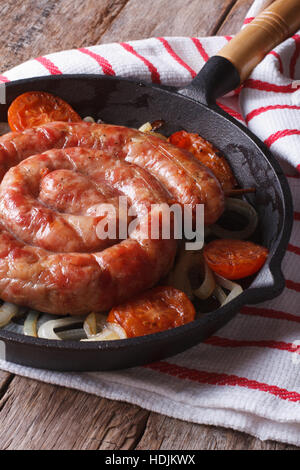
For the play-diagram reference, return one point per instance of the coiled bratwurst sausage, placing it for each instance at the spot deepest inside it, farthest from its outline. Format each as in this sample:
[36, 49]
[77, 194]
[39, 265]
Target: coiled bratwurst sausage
[54, 176]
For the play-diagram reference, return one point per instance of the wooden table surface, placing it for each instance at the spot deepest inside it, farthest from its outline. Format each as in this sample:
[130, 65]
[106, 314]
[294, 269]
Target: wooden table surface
[34, 415]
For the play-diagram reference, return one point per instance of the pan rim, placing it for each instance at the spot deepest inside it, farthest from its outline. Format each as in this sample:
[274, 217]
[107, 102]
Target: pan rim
[273, 266]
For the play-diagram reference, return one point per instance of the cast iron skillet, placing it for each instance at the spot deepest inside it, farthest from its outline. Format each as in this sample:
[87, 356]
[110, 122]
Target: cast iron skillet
[129, 103]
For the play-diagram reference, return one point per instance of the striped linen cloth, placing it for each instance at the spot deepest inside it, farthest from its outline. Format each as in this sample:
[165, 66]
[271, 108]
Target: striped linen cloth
[246, 376]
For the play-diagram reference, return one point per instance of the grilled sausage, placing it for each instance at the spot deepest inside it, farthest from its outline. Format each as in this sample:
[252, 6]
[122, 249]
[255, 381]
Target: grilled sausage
[186, 179]
[54, 178]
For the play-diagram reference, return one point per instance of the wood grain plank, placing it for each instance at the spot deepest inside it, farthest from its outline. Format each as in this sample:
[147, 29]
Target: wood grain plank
[164, 433]
[42, 416]
[234, 20]
[170, 18]
[52, 417]
[5, 378]
[30, 28]
[36, 416]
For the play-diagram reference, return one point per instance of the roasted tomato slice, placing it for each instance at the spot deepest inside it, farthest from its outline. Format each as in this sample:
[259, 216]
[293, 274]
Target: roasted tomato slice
[157, 309]
[38, 107]
[207, 154]
[234, 259]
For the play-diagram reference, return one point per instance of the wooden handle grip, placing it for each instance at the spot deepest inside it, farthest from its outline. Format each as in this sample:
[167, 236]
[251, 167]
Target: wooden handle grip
[279, 21]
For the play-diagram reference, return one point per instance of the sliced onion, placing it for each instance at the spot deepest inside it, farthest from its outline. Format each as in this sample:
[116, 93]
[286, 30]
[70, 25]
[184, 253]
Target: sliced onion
[241, 207]
[30, 324]
[97, 329]
[208, 285]
[88, 119]
[94, 323]
[220, 294]
[147, 127]
[179, 276]
[7, 312]
[46, 330]
[234, 288]
[110, 332]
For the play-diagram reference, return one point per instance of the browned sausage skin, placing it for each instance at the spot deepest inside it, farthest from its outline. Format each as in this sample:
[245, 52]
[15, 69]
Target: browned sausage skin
[186, 179]
[53, 262]
[51, 258]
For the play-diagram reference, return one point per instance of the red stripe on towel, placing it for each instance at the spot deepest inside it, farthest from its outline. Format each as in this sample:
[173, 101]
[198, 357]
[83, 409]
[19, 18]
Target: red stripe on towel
[176, 57]
[214, 378]
[49, 65]
[152, 69]
[104, 64]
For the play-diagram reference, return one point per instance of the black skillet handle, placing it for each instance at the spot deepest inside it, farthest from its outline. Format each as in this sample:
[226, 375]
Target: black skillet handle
[234, 63]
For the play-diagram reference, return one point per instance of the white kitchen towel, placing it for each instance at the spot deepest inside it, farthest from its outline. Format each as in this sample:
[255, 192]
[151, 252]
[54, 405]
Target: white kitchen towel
[246, 376]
